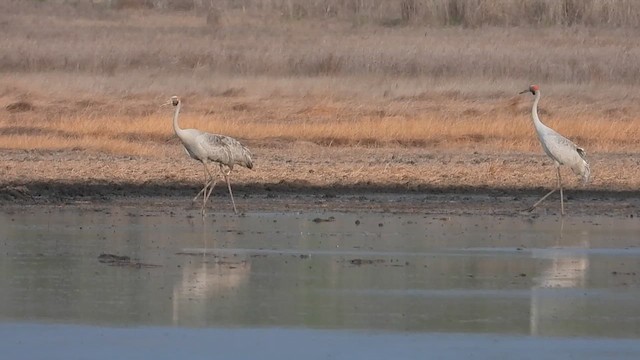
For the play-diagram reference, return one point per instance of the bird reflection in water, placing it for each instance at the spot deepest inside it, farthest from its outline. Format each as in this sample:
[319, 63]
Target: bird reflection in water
[566, 268]
[206, 276]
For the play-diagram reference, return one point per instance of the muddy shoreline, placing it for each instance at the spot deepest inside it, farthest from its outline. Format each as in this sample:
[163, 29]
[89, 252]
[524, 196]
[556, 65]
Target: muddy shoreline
[304, 177]
[282, 197]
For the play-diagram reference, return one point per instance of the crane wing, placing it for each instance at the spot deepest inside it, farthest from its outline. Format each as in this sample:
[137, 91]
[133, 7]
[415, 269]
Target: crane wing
[560, 148]
[241, 154]
[567, 153]
[561, 142]
[225, 149]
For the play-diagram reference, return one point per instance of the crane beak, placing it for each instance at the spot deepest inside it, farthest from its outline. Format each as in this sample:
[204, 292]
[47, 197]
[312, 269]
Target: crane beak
[167, 103]
[525, 91]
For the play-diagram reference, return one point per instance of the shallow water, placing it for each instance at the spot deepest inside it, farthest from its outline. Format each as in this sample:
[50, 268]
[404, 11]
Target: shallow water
[319, 273]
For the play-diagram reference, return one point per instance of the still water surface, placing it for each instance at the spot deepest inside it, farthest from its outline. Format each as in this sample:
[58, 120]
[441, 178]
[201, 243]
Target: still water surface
[323, 274]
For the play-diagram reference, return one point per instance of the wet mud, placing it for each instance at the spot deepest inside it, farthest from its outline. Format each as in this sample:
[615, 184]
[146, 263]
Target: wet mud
[305, 197]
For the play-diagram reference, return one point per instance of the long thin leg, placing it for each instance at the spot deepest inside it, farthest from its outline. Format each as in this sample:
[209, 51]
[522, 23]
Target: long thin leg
[202, 191]
[541, 200]
[206, 185]
[561, 195]
[226, 178]
[549, 193]
[207, 182]
[210, 189]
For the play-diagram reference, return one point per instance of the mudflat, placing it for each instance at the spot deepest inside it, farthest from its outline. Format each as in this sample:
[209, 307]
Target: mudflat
[306, 176]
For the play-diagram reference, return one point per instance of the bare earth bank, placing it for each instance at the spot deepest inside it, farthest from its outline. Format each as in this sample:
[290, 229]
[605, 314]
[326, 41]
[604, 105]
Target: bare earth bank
[307, 177]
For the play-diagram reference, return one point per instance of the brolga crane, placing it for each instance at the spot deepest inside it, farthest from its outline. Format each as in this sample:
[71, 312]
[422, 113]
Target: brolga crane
[560, 149]
[211, 148]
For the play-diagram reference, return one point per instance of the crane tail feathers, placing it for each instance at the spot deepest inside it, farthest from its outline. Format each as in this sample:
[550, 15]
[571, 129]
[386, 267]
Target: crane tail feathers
[582, 169]
[586, 173]
[248, 161]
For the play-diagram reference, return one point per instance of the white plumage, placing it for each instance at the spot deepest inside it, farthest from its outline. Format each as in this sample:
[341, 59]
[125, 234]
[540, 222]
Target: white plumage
[206, 148]
[558, 148]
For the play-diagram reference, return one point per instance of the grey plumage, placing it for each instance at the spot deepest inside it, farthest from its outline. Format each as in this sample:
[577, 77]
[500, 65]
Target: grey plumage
[216, 148]
[560, 149]
[211, 148]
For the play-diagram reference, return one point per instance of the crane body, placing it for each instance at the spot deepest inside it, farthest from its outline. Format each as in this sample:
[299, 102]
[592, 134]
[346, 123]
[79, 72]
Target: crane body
[560, 149]
[211, 148]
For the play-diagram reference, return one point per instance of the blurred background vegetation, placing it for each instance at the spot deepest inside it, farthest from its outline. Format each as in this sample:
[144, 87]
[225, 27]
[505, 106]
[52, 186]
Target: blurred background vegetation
[469, 13]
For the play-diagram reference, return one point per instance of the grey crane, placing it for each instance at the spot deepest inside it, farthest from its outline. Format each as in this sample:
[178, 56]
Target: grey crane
[560, 149]
[211, 148]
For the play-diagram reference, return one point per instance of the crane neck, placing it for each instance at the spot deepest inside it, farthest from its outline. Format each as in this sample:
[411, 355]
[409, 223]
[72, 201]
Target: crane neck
[176, 127]
[534, 110]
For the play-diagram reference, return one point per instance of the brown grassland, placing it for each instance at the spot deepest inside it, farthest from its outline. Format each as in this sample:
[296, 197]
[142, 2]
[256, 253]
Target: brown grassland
[405, 93]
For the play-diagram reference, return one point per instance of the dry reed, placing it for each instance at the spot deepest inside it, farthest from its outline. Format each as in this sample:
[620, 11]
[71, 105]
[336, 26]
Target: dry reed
[471, 13]
[89, 77]
[108, 42]
[488, 127]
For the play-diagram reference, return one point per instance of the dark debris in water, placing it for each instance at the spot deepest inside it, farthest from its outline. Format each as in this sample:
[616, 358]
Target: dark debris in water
[319, 220]
[111, 258]
[389, 262]
[122, 260]
[197, 253]
[366, 261]
[231, 264]
[631, 273]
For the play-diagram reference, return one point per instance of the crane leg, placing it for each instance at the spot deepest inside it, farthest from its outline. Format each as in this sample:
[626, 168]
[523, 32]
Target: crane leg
[208, 181]
[197, 196]
[551, 192]
[561, 195]
[210, 189]
[226, 178]
[209, 186]
[541, 200]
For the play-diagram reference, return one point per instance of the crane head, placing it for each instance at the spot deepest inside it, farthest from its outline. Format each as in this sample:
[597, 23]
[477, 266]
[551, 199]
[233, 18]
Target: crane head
[532, 89]
[173, 101]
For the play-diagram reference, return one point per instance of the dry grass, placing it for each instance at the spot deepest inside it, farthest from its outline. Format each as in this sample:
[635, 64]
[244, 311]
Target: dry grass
[424, 12]
[92, 78]
[142, 129]
[108, 42]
